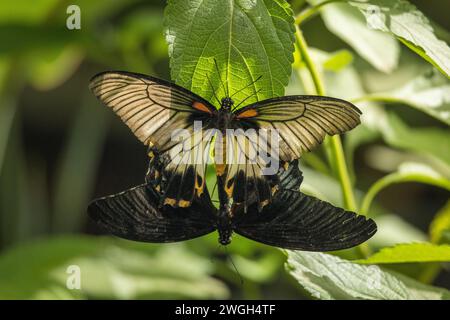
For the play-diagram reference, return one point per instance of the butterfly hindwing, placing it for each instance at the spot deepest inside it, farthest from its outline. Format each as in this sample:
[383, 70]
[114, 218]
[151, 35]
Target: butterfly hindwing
[301, 222]
[135, 214]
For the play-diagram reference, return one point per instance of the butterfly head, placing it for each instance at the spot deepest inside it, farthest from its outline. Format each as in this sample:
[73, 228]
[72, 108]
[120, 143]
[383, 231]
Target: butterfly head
[227, 103]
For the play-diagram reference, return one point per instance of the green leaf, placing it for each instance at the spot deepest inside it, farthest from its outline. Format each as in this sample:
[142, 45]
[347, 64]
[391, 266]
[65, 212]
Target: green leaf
[248, 38]
[21, 12]
[380, 50]
[110, 269]
[141, 40]
[47, 68]
[440, 225]
[398, 134]
[78, 166]
[338, 61]
[430, 93]
[329, 277]
[393, 230]
[409, 253]
[403, 20]
[407, 172]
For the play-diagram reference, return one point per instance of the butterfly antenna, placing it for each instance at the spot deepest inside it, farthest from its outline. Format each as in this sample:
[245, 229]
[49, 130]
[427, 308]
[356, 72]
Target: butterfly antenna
[241, 280]
[254, 81]
[255, 93]
[212, 87]
[218, 73]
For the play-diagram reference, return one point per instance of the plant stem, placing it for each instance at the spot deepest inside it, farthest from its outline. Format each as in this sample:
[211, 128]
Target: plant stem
[395, 178]
[376, 98]
[336, 159]
[337, 153]
[312, 11]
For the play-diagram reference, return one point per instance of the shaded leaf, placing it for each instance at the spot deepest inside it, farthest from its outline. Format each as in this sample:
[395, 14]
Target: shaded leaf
[397, 134]
[407, 172]
[440, 226]
[109, 268]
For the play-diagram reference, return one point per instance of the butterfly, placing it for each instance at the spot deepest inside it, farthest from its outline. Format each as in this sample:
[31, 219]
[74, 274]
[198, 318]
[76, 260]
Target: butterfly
[292, 220]
[155, 109]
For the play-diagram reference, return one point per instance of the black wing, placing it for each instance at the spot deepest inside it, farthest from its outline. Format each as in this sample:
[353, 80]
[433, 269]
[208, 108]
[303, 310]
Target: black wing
[135, 215]
[301, 121]
[290, 177]
[300, 222]
[154, 110]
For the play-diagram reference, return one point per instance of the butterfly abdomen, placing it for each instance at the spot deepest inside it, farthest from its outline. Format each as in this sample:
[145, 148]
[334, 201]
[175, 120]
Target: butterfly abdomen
[224, 227]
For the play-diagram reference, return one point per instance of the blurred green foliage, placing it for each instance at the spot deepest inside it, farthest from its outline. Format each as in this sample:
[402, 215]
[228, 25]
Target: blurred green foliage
[59, 149]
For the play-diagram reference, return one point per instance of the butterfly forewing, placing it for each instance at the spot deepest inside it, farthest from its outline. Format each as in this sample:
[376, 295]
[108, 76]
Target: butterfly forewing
[163, 115]
[301, 121]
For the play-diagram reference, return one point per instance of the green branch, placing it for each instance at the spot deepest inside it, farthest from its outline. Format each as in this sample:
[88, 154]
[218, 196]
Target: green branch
[312, 11]
[395, 178]
[337, 158]
[336, 153]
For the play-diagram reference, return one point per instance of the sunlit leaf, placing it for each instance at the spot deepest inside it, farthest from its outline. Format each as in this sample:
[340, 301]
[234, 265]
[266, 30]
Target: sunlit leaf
[328, 277]
[409, 253]
[248, 38]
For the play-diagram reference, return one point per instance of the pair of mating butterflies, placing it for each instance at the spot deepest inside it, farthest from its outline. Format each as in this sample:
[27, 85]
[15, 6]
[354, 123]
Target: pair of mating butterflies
[174, 204]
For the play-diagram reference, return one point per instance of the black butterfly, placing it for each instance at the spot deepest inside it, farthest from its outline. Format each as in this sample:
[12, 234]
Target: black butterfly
[154, 109]
[292, 220]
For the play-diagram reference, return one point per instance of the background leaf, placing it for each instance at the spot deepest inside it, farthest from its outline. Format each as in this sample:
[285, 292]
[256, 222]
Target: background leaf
[380, 50]
[407, 172]
[110, 268]
[403, 20]
[247, 38]
[329, 277]
[440, 226]
[408, 253]
[429, 92]
[398, 134]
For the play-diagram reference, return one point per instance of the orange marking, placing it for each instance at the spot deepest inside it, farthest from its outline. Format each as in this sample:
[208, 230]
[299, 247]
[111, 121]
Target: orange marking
[220, 169]
[200, 107]
[184, 203]
[248, 114]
